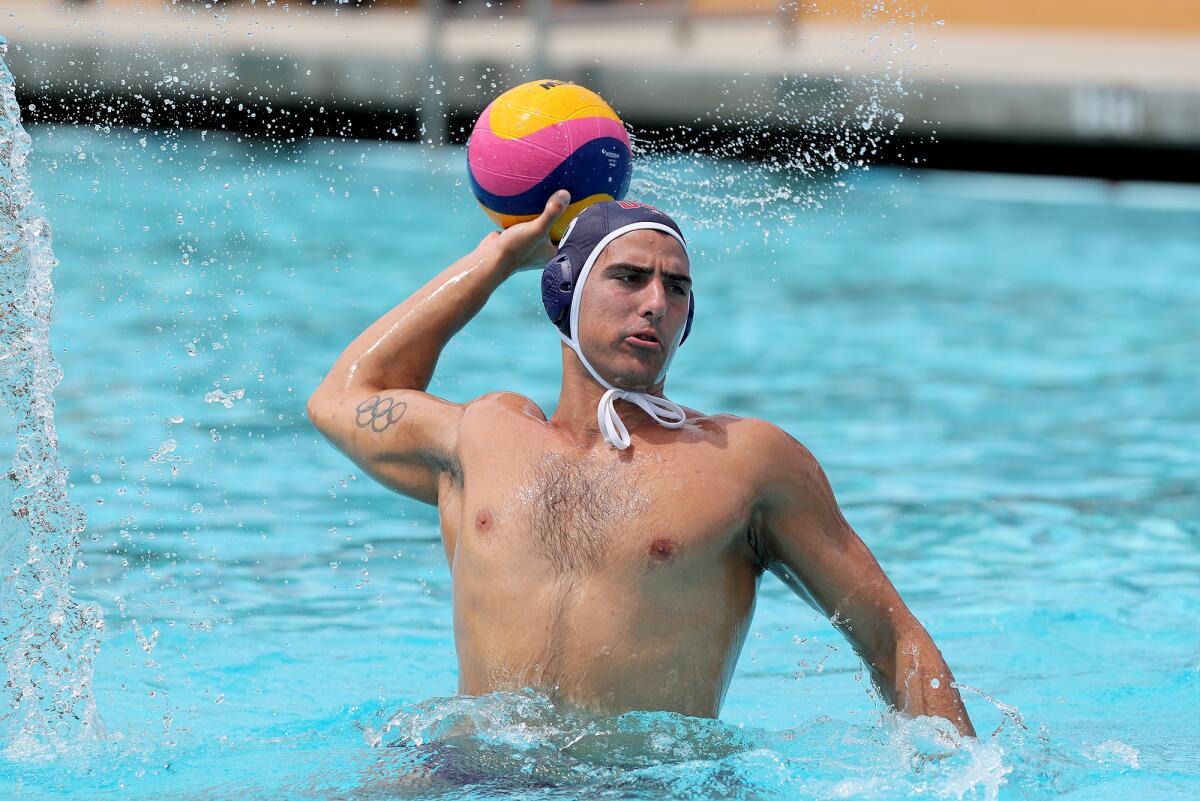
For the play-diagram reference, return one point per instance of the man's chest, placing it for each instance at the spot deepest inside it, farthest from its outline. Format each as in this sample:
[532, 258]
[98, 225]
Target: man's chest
[570, 516]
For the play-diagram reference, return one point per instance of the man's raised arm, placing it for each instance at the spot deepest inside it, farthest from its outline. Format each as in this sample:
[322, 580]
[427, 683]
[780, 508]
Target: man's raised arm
[372, 404]
[810, 546]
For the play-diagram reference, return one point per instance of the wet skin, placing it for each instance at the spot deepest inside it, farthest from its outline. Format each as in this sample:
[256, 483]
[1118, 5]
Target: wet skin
[614, 580]
[618, 580]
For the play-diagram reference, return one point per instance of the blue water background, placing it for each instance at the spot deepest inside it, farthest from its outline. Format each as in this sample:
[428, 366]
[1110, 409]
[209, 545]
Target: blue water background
[1000, 376]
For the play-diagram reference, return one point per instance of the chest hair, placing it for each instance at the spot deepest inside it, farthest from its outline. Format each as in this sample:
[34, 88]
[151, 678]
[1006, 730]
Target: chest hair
[577, 508]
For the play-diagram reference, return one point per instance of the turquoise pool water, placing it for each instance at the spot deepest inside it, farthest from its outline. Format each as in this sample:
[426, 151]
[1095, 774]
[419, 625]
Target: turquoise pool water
[1000, 376]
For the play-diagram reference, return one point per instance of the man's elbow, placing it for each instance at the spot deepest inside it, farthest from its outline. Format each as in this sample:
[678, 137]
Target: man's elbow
[317, 410]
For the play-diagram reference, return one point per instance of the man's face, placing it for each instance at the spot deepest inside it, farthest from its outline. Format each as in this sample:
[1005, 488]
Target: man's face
[634, 307]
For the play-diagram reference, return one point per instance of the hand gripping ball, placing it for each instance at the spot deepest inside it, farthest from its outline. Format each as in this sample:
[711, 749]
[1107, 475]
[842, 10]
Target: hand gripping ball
[540, 137]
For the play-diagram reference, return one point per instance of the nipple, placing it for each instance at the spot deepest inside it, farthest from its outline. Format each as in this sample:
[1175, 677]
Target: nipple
[662, 549]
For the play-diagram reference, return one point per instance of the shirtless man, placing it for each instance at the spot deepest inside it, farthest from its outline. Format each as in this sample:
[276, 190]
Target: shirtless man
[610, 555]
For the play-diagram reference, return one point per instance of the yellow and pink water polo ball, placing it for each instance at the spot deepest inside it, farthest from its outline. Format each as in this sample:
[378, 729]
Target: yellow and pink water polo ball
[543, 136]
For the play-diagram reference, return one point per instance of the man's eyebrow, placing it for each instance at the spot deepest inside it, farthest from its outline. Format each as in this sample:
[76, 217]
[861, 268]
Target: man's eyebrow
[640, 270]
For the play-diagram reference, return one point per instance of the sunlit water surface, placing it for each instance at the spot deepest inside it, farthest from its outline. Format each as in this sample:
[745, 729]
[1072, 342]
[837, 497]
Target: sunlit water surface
[999, 375]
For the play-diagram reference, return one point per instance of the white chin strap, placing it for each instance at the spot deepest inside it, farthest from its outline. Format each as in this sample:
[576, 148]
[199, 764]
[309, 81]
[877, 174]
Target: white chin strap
[662, 411]
[612, 428]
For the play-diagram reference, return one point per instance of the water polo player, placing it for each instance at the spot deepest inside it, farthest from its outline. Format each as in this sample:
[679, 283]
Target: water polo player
[610, 555]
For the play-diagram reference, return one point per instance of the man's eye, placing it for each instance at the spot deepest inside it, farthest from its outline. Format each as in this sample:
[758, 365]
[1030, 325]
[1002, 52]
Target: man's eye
[679, 289]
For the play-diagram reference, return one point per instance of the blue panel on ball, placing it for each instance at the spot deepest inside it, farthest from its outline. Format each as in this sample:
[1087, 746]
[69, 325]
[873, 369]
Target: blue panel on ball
[585, 172]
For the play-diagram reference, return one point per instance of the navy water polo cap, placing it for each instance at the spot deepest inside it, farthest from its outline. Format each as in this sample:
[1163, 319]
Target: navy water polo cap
[580, 247]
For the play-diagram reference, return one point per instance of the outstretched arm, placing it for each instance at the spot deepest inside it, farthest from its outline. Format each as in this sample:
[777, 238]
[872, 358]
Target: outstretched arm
[372, 404]
[810, 546]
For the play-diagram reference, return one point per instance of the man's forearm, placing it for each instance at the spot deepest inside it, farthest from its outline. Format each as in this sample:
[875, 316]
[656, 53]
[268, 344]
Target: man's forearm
[400, 350]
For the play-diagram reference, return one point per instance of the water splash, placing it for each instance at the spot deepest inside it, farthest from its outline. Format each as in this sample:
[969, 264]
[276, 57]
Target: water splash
[49, 640]
[819, 130]
[524, 744]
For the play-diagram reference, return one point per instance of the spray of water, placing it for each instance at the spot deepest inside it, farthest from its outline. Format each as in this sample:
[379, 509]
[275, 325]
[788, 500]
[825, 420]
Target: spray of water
[48, 640]
[814, 134]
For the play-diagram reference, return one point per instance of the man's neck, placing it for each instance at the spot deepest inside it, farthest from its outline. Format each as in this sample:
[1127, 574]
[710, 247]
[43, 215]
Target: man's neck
[580, 396]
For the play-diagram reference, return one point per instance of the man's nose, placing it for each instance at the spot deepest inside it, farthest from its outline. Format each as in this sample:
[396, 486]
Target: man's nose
[654, 299]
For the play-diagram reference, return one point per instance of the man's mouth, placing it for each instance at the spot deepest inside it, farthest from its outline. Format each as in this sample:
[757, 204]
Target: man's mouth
[644, 339]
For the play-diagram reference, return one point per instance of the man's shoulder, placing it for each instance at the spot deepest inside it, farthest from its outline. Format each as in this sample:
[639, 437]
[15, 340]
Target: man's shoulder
[500, 404]
[758, 442]
[751, 432]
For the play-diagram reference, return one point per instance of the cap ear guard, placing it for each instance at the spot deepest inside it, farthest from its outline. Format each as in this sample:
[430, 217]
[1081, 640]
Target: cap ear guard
[687, 327]
[558, 286]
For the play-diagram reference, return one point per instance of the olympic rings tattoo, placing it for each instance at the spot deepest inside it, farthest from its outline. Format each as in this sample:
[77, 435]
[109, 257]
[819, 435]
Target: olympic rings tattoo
[378, 412]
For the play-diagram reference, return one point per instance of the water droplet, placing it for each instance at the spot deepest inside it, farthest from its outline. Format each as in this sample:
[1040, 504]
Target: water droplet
[226, 399]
